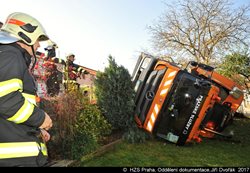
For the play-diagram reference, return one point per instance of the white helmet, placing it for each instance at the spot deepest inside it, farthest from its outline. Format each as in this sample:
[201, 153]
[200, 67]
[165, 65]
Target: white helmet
[69, 55]
[51, 45]
[21, 26]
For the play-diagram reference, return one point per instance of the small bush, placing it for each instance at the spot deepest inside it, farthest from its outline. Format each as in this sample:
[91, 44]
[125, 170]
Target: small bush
[135, 134]
[77, 125]
[90, 127]
[91, 122]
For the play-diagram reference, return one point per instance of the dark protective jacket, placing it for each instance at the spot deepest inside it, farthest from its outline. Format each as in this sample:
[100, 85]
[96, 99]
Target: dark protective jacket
[73, 70]
[20, 118]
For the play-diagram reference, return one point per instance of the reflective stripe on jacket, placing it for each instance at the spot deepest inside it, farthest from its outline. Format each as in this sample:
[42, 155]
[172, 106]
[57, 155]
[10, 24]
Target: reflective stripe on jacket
[21, 149]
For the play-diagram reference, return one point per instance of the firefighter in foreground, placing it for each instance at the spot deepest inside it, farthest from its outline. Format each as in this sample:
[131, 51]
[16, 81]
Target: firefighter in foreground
[23, 125]
[72, 72]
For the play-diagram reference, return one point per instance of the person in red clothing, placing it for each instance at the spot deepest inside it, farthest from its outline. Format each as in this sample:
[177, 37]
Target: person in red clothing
[53, 75]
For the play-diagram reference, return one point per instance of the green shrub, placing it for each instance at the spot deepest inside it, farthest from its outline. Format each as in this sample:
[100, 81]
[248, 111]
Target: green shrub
[115, 96]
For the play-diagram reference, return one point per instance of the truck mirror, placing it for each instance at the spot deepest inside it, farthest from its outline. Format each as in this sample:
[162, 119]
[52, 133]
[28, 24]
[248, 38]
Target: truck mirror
[236, 93]
[193, 63]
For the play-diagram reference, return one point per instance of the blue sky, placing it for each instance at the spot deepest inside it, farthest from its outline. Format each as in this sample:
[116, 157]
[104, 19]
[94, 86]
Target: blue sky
[95, 29]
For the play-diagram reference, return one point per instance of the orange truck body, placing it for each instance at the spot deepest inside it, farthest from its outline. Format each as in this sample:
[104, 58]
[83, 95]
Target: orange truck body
[231, 96]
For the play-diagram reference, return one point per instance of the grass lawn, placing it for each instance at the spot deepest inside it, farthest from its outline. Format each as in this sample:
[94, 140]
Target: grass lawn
[155, 153]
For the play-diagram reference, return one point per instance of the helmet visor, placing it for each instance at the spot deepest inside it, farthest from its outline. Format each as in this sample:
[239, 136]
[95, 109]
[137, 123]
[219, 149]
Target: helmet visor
[6, 38]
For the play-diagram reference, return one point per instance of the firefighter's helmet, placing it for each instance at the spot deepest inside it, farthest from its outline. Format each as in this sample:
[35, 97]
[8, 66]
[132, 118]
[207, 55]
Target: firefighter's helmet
[21, 26]
[69, 55]
[51, 45]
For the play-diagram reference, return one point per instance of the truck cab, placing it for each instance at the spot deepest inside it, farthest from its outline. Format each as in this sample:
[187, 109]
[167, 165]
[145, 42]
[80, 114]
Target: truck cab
[171, 103]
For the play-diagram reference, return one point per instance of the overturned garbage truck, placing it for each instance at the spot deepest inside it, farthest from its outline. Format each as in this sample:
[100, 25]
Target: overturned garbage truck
[182, 105]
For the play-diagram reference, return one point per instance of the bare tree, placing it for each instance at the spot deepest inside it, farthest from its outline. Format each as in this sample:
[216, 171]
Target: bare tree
[203, 30]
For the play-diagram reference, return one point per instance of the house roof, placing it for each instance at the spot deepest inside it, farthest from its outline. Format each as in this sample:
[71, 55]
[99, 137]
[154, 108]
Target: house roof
[91, 71]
